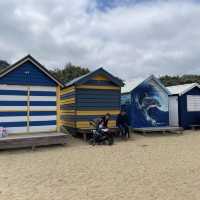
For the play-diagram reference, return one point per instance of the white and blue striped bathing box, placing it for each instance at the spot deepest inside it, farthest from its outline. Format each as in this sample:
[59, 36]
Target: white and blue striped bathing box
[29, 98]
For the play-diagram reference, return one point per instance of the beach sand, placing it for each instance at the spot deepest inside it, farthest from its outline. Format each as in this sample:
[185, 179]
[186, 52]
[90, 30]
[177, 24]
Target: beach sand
[164, 167]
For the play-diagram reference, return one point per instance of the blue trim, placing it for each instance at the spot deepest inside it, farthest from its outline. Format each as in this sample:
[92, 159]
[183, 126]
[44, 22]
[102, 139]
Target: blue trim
[99, 104]
[84, 117]
[68, 95]
[42, 113]
[24, 103]
[42, 93]
[13, 92]
[13, 103]
[68, 107]
[85, 92]
[99, 108]
[42, 123]
[13, 124]
[12, 114]
[42, 103]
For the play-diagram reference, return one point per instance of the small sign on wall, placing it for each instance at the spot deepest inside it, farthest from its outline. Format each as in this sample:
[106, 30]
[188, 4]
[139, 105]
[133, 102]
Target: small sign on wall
[193, 103]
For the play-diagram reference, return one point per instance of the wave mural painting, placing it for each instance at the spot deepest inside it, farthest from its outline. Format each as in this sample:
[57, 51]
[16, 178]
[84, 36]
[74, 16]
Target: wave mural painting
[147, 104]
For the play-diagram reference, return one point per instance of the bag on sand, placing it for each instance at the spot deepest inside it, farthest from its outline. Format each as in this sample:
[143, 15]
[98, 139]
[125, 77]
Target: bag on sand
[3, 132]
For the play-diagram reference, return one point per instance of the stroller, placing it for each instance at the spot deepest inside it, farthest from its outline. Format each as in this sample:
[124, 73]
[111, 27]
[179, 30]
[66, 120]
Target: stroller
[100, 135]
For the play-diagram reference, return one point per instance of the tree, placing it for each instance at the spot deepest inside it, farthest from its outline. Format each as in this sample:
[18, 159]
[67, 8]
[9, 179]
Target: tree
[3, 64]
[178, 80]
[69, 72]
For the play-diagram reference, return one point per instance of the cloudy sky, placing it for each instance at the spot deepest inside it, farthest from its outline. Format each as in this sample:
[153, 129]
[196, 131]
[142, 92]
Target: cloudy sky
[130, 38]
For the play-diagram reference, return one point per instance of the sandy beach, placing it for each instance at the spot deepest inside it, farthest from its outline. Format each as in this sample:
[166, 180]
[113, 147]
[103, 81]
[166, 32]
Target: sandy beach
[144, 168]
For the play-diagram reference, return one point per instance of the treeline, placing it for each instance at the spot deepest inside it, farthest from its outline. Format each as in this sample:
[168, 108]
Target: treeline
[70, 71]
[178, 80]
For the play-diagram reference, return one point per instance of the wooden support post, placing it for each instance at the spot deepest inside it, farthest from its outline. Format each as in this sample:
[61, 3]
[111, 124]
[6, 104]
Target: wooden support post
[85, 136]
[58, 108]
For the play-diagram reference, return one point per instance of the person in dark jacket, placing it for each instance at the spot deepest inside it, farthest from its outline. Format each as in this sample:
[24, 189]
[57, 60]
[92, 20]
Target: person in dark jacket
[104, 120]
[123, 124]
[101, 123]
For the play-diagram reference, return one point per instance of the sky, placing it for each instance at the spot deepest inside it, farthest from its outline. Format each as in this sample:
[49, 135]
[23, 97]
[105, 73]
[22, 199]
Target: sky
[130, 38]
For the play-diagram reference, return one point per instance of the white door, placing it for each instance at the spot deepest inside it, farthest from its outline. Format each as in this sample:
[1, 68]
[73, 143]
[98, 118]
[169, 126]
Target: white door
[173, 111]
[42, 109]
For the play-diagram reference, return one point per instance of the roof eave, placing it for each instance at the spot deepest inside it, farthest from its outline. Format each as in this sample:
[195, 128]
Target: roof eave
[116, 80]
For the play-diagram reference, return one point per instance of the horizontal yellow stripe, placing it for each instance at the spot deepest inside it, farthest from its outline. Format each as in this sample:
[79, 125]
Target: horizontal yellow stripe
[100, 78]
[67, 90]
[95, 112]
[67, 123]
[67, 101]
[86, 124]
[63, 112]
[26, 110]
[67, 114]
[98, 87]
[62, 93]
[67, 111]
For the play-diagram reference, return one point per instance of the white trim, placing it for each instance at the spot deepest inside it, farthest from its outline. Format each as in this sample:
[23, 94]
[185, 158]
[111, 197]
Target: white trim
[43, 108]
[42, 118]
[42, 98]
[13, 87]
[13, 130]
[14, 108]
[43, 88]
[13, 119]
[13, 98]
[42, 128]
[182, 89]
[189, 88]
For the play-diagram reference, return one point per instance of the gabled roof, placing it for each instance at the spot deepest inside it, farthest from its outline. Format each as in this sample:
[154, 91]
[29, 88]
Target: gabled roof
[133, 84]
[36, 63]
[182, 89]
[86, 77]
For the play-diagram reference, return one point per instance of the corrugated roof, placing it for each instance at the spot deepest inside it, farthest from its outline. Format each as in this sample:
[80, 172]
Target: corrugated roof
[181, 89]
[77, 79]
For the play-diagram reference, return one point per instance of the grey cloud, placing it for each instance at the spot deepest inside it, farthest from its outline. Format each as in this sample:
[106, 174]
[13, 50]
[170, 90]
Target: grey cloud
[130, 41]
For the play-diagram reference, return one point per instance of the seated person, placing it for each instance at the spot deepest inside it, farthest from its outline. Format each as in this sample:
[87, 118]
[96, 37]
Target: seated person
[104, 121]
[123, 123]
[101, 123]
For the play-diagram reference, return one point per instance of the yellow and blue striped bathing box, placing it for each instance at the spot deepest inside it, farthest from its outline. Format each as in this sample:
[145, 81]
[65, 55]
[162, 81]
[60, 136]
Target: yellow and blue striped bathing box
[88, 97]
